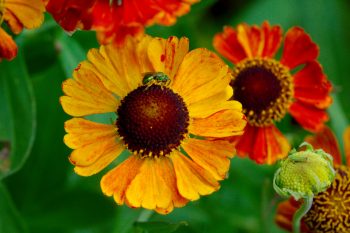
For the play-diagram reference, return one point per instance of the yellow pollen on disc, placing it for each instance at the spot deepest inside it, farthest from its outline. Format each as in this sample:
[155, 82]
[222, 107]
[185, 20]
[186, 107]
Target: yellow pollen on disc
[264, 87]
[330, 211]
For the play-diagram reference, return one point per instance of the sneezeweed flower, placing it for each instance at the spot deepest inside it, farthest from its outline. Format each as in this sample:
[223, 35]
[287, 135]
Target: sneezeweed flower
[268, 87]
[18, 14]
[114, 20]
[330, 210]
[173, 110]
[304, 174]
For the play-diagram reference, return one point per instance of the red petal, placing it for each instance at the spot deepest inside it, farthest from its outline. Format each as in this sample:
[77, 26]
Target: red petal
[309, 117]
[8, 48]
[251, 38]
[273, 38]
[71, 13]
[298, 48]
[327, 141]
[227, 44]
[264, 145]
[311, 86]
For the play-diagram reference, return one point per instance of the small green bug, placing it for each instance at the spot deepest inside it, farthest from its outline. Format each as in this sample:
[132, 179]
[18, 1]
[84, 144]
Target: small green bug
[158, 78]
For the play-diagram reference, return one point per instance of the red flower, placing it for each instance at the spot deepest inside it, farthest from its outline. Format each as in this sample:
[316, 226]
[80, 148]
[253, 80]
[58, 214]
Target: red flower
[269, 88]
[330, 210]
[114, 20]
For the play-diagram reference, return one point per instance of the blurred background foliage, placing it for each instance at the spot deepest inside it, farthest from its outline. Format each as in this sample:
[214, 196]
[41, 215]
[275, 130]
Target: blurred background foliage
[40, 193]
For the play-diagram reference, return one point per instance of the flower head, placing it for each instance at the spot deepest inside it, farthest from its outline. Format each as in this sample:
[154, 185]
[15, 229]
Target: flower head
[173, 110]
[18, 14]
[330, 210]
[269, 88]
[114, 20]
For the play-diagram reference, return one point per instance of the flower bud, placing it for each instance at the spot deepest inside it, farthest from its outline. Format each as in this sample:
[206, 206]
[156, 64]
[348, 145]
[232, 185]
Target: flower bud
[304, 173]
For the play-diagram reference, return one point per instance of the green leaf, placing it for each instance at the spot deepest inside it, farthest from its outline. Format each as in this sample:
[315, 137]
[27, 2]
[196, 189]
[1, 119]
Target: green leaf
[71, 53]
[17, 116]
[157, 227]
[10, 220]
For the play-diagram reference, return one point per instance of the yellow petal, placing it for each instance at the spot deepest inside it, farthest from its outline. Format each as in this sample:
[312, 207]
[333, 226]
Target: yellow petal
[192, 180]
[86, 95]
[28, 13]
[149, 189]
[81, 132]
[211, 155]
[142, 54]
[116, 181]
[103, 161]
[213, 104]
[175, 51]
[199, 67]
[221, 124]
[346, 138]
[166, 55]
[125, 61]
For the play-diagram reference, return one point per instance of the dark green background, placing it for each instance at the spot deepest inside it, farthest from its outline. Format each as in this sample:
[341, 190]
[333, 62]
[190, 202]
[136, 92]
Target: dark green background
[40, 193]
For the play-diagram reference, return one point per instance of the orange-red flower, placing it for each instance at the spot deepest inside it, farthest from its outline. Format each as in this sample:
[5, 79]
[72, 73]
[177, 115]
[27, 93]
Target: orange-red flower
[330, 211]
[268, 87]
[113, 20]
[18, 14]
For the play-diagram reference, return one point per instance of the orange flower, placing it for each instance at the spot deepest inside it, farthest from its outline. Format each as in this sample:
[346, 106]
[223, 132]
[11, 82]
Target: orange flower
[330, 211]
[171, 105]
[269, 88]
[113, 21]
[18, 14]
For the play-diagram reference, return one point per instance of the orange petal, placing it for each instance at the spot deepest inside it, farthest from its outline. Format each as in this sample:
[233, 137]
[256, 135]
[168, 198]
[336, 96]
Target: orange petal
[227, 44]
[192, 180]
[199, 68]
[221, 124]
[273, 38]
[28, 13]
[90, 153]
[149, 189]
[264, 145]
[81, 132]
[175, 51]
[298, 48]
[116, 181]
[213, 156]
[109, 153]
[311, 86]
[167, 172]
[252, 40]
[8, 48]
[86, 94]
[346, 138]
[309, 117]
[213, 104]
[327, 141]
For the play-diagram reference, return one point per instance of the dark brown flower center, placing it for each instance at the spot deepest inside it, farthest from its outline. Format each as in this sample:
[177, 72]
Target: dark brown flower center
[265, 89]
[330, 211]
[152, 120]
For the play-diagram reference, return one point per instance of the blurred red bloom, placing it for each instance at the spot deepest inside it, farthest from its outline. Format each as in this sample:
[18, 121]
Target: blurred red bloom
[268, 88]
[113, 20]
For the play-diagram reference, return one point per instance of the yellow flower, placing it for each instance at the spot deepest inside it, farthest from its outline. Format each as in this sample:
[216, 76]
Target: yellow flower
[173, 110]
[18, 14]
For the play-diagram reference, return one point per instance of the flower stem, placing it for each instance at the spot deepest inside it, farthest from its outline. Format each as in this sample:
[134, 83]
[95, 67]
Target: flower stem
[304, 208]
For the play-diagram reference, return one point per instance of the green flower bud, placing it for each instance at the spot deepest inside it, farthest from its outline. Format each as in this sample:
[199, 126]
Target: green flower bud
[303, 174]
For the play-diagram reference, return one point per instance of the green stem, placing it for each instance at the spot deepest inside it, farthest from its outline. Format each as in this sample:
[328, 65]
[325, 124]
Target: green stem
[304, 208]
